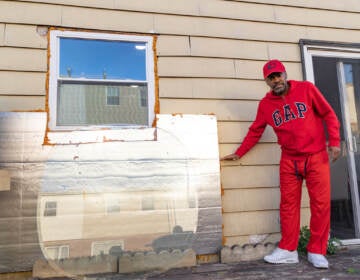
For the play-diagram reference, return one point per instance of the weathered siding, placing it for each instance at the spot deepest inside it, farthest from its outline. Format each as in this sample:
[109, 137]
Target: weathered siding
[210, 55]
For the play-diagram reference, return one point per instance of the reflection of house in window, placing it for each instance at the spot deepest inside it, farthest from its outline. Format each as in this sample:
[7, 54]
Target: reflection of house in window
[105, 247]
[143, 98]
[192, 201]
[50, 208]
[112, 205]
[112, 95]
[57, 252]
[147, 203]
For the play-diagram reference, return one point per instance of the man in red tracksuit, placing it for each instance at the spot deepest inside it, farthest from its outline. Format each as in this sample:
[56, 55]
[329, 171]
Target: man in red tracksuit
[297, 111]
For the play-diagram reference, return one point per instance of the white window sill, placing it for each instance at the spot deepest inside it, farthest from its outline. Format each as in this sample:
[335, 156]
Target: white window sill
[100, 136]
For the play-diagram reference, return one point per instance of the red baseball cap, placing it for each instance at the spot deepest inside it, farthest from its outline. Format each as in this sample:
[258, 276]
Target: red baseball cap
[273, 66]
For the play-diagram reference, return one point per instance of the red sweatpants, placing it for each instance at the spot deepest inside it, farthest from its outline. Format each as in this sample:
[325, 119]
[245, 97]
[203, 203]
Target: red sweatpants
[315, 170]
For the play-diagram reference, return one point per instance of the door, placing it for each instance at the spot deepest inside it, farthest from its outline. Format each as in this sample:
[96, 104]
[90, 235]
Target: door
[339, 80]
[349, 86]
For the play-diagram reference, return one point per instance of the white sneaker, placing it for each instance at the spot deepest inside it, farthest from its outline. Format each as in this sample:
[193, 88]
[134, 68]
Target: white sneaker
[318, 260]
[282, 256]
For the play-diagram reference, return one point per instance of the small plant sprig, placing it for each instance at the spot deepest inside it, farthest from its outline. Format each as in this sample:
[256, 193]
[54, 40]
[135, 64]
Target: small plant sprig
[333, 242]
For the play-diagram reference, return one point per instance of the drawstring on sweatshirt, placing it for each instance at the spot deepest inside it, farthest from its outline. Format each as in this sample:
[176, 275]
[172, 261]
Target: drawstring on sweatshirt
[298, 175]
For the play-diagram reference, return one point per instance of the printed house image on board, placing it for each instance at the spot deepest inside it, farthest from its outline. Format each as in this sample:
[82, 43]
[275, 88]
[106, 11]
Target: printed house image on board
[114, 114]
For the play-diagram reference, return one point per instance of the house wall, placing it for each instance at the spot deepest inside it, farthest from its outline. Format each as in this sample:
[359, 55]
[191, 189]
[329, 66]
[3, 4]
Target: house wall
[209, 59]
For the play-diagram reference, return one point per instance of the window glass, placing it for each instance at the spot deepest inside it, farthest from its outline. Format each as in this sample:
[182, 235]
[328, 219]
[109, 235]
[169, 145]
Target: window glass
[112, 205]
[50, 208]
[112, 95]
[87, 104]
[102, 59]
[57, 252]
[106, 247]
[147, 203]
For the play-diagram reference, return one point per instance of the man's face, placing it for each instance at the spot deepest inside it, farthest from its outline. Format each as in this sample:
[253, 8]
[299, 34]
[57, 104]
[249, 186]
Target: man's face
[277, 82]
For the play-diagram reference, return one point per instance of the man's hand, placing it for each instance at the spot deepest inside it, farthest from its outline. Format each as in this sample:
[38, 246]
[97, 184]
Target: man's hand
[230, 157]
[334, 153]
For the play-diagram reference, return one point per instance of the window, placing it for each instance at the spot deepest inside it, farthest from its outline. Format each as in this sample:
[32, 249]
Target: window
[112, 95]
[147, 203]
[50, 208]
[57, 252]
[106, 247]
[99, 79]
[112, 205]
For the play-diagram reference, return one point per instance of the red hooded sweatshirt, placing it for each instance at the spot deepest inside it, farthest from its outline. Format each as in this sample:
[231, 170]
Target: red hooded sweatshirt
[297, 119]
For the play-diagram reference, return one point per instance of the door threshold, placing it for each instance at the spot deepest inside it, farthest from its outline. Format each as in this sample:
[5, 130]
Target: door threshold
[347, 242]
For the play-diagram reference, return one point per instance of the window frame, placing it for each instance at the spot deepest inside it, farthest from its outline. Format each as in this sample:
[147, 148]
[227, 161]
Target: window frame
[107, 96]
[59, 250]
[310, 48]
[54, 75]
[106, 244]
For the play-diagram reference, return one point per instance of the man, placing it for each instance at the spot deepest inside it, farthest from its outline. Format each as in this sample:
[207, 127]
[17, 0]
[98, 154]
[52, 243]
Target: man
[297, 111]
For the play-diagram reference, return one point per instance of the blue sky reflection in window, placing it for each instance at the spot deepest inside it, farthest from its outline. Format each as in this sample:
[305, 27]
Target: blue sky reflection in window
[102, 59]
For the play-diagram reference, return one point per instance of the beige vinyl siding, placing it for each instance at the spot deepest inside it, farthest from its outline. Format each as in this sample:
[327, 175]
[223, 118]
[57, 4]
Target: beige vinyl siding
[256, 199]
[234, 132]
[215, 67]
[223, 109]
[26, 36]
[21, 103]
[233, 177]
[21, 59]
[259, 222]
[210, 55]
[261, 154]
[211, 88]
[348, 5]
[22, 83]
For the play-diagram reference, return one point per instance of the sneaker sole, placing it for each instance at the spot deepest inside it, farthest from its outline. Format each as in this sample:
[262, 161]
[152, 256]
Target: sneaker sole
[319, 266]
[282, 261]
[323, 267]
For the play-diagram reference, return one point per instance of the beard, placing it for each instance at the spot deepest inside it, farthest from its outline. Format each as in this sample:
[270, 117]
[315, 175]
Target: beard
[280, 88]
